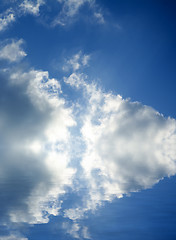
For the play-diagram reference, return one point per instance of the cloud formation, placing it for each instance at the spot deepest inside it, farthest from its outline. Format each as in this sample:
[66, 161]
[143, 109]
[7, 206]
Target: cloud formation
[123, 146]
[30, 7]
[129, 146]
[34, 143]
[68, 12]
[6, 18]
[12, 51]
[71, 9]
[76, 62]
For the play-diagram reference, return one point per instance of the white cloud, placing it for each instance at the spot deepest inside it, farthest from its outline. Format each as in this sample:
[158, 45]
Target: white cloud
[12, 51]
[125, 147]
[34, 142]
[129, 146]
[72, 229]
[75, 230]
[28, 6]
[71, 9]
[76, 62]
[22, 7]
[6, 18]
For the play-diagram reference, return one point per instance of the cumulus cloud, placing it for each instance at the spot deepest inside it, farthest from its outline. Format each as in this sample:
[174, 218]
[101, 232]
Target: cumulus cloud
[6, 18]
[124, 146]
[34, 143]
[129, 146]
[12, 51]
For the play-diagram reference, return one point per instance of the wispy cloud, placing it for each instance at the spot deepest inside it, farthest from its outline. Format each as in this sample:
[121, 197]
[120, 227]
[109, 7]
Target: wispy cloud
[71, 8]
[76, 231]
[28, 6]
[76, 62]
[21, 8]
[12, 237]
[6, 18]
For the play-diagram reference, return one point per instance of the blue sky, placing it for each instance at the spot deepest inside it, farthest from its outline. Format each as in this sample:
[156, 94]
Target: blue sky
[87, 119]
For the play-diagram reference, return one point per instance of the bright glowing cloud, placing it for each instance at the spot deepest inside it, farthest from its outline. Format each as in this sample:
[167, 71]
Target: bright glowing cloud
[34, 126]
[129, 146]
[125, 146]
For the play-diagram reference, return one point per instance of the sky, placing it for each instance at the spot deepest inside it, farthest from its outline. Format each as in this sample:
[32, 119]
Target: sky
[87, 119]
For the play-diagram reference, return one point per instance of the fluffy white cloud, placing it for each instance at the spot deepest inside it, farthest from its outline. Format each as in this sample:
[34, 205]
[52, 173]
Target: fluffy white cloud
[6, 18]
[129, 146]
[123, 147]
[12, 51]
[34, 142]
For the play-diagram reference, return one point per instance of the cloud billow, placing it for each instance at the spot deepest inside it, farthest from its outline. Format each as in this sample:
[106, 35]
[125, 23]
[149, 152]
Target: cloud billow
[129, 146]
[34, 127]
[132, 145]
[123, 146]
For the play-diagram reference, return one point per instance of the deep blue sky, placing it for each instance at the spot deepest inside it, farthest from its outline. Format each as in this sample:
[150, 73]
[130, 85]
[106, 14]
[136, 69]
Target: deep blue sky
[136, 60]
[132, 54]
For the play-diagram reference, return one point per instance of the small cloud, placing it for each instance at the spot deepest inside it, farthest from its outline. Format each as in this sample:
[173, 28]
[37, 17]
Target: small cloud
[76, 230]
[85, 233]
[71, 8]
[76, 62]
[72, 229]
[100, 18]
[12, 52]
[6, 18]
[30, 7]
